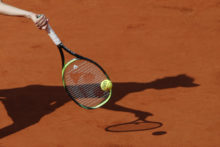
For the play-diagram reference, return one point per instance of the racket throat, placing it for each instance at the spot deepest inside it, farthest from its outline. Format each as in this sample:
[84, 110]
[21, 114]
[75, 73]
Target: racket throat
[62, 56]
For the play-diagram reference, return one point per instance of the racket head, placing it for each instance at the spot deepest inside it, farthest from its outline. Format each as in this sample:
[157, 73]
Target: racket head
[82, 78]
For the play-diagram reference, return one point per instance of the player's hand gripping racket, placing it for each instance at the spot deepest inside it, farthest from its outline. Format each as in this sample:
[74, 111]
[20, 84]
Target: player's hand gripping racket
[84, 80]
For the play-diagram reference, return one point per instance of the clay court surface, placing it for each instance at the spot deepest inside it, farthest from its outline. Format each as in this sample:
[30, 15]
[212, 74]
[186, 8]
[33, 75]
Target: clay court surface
[162, 55]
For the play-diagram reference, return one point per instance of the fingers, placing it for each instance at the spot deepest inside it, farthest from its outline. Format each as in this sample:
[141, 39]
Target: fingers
[42, 22]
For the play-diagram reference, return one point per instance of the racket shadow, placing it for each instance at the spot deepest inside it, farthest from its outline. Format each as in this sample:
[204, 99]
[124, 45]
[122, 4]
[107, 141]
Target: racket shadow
[27, 105]
[120, 90]
[134, 126]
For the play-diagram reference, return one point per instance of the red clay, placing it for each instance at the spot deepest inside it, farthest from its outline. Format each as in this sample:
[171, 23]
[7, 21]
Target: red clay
[163, 57]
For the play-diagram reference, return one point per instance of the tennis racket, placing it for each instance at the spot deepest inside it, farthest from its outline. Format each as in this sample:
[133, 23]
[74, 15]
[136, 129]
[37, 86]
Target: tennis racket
[82, 77]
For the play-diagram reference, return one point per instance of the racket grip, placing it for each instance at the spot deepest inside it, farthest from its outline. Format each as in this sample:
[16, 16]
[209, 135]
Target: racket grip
[53, 35]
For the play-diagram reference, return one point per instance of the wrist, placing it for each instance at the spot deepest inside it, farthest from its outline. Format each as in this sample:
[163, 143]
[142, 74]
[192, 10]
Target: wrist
[30, 15]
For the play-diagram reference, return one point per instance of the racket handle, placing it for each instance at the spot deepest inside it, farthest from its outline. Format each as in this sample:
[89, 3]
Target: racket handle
[53, 36]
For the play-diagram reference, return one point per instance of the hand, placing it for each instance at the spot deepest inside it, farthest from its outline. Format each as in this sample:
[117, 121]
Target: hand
[40, 21]
[142, 115]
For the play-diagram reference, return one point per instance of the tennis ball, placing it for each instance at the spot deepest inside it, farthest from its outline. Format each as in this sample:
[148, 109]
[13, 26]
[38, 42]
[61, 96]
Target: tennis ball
[106, 85]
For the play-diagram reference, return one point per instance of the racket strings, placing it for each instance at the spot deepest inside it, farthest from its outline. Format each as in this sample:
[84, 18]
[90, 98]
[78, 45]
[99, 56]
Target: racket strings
[82, 79]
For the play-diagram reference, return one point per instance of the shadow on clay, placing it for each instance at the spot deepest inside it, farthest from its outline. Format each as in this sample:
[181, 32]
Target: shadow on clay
[27, 105]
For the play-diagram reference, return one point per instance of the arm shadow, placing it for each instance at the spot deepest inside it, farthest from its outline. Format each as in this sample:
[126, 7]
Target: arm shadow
[120, 90]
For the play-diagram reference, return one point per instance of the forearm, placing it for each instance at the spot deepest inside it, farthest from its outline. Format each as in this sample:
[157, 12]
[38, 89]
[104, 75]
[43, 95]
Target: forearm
[13, 11]
[41, 22]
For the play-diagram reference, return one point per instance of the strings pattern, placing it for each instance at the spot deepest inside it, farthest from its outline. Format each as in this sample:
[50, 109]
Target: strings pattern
[82, 79]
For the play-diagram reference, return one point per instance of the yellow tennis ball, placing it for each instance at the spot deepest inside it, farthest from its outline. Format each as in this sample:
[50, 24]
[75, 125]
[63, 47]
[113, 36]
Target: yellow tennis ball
[106, 85]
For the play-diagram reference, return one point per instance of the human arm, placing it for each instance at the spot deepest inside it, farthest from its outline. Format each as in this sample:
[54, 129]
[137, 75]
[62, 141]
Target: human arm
[6, 9]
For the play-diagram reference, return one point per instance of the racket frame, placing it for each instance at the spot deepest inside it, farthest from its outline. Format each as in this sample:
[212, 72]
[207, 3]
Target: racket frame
[61, 47]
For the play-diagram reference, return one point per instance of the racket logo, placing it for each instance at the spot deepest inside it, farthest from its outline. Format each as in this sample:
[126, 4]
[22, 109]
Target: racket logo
[75, 67]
